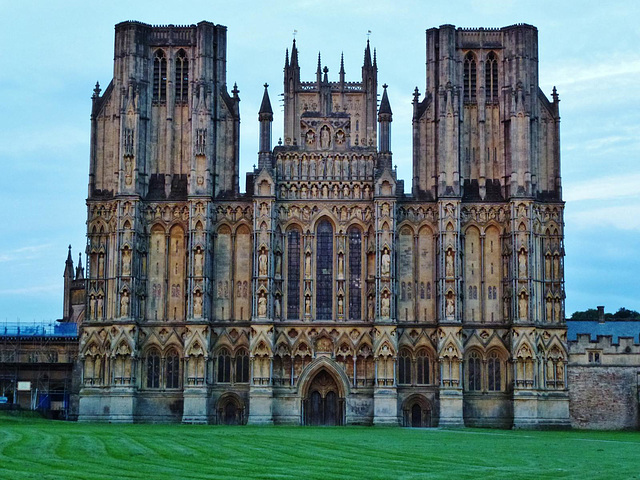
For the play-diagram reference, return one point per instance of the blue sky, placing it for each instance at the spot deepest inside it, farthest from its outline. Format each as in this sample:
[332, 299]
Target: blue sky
[53, 53]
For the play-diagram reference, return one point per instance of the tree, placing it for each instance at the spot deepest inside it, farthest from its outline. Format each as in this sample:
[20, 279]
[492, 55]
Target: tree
[592, 314]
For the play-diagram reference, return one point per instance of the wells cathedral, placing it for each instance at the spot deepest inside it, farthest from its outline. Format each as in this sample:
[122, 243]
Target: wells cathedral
[329, 293]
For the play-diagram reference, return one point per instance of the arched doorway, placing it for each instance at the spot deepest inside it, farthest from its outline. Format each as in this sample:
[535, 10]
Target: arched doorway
[230, 410]
[417, 412]
[323, 405]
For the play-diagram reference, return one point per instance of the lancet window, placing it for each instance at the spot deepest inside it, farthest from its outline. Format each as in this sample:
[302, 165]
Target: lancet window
[159, 77]
[293, 274]
[491, 78]
[324, 271]
[355, 274]
[182, 77]
[153, 369]
[470, 77]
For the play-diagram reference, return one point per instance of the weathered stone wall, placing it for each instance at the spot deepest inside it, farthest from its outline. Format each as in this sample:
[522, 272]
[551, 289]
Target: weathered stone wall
[603, 397]
[603, 383]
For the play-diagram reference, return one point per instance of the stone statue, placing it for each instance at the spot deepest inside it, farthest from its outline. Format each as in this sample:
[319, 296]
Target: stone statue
[197, 306]
[386, 262]
[124, 305]
[278, 308]
[126, 262]
[449, 263]
[278, 265]
[307, 265]
[522, 306]
[262, 264]
[385, 306]
[197, 260]
[325, 137]
[262, 305]
[370, 312]
[522, 263]
[340, 266]
[450, 307]
[307, 305]
[340, 305]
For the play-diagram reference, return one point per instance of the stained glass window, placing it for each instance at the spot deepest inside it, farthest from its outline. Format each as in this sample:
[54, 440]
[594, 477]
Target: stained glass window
[324, 271]
[355, 274]
[293, 274]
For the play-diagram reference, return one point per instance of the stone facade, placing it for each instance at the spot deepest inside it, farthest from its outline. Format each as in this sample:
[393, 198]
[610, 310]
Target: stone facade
[605, 383]
[326, 294]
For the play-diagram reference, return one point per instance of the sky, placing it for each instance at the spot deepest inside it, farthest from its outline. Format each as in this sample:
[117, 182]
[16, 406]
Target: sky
[53, 52]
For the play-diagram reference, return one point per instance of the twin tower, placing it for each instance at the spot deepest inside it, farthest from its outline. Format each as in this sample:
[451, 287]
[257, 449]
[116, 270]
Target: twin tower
[326, 294]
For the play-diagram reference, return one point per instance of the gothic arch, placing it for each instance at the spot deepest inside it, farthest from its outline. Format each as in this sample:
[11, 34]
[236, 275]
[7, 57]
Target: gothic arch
[328, 365]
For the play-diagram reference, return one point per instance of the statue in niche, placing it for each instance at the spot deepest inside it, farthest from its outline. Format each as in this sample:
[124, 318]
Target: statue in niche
[325, 137]
[385, 305]
[340, 266]
[283, 191]
[449, 263]
[303, 191]
[262, 263]
[307, 305]
[128, 171]
[312, 169]
[385, 210]
[340, 305]
[99, 308]
[314, 191]
[307, 265]
[558, 307]
[329, 166]
[278, 265]
[311, 137]
[277, 307]
[370, 312]
[345, 191]
[522, 263]
[197, 305]
[124, 304]
[262, 305]
[556, 266]
[450, 307]
[197, 260]
[522, 306]
[549, 310]
[92, 307]
[386, 262]
[126, 262]
[547, 267]
[336, 191]
[325, 191]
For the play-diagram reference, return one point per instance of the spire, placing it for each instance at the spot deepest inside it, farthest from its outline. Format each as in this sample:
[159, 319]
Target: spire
[319, 66]
[294, 54]
[342, 67]
[367, 55]
[68, 265]
[79, 268]
[385, 107]
[265, 107]
[375, 61]
[286, 58]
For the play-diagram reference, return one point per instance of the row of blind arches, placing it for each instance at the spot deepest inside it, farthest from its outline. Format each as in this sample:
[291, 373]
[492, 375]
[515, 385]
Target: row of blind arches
[160, 76]
[490, 77]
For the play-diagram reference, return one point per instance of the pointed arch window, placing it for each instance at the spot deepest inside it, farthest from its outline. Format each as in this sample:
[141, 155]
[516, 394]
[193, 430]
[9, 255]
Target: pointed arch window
[470, 77]
[491, 78]
[173, 370]
[355, 274]
[474, 371]
[494, 373]
[159, 77]
[242, 366]
[182, 77]
[404, 367]
[224, 366]
[293, 274]
[324, 271]
[153, 369]
[422, 368]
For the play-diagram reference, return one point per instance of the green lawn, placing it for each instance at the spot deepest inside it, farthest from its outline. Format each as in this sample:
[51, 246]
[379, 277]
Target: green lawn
[31, 448]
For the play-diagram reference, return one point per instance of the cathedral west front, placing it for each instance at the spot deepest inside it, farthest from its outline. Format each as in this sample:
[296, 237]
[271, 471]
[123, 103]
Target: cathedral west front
[330, 293]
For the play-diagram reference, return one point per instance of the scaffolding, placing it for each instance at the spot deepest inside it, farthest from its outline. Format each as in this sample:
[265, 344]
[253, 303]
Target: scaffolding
[37, 365]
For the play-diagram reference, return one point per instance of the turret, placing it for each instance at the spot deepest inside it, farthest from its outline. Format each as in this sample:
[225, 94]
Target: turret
[384, 120]
[265, 117]
[68, 280]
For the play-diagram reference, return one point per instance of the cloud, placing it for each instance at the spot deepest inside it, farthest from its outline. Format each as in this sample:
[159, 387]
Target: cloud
[24, 253]
[623, 217]
[52, 288]
[604, 188]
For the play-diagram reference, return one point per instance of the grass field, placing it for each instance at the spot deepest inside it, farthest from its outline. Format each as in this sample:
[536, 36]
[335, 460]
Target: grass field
[31, 448]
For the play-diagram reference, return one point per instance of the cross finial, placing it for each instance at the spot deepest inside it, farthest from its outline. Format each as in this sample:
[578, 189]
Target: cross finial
[368, 34]
[295, 32]
[266, 85]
